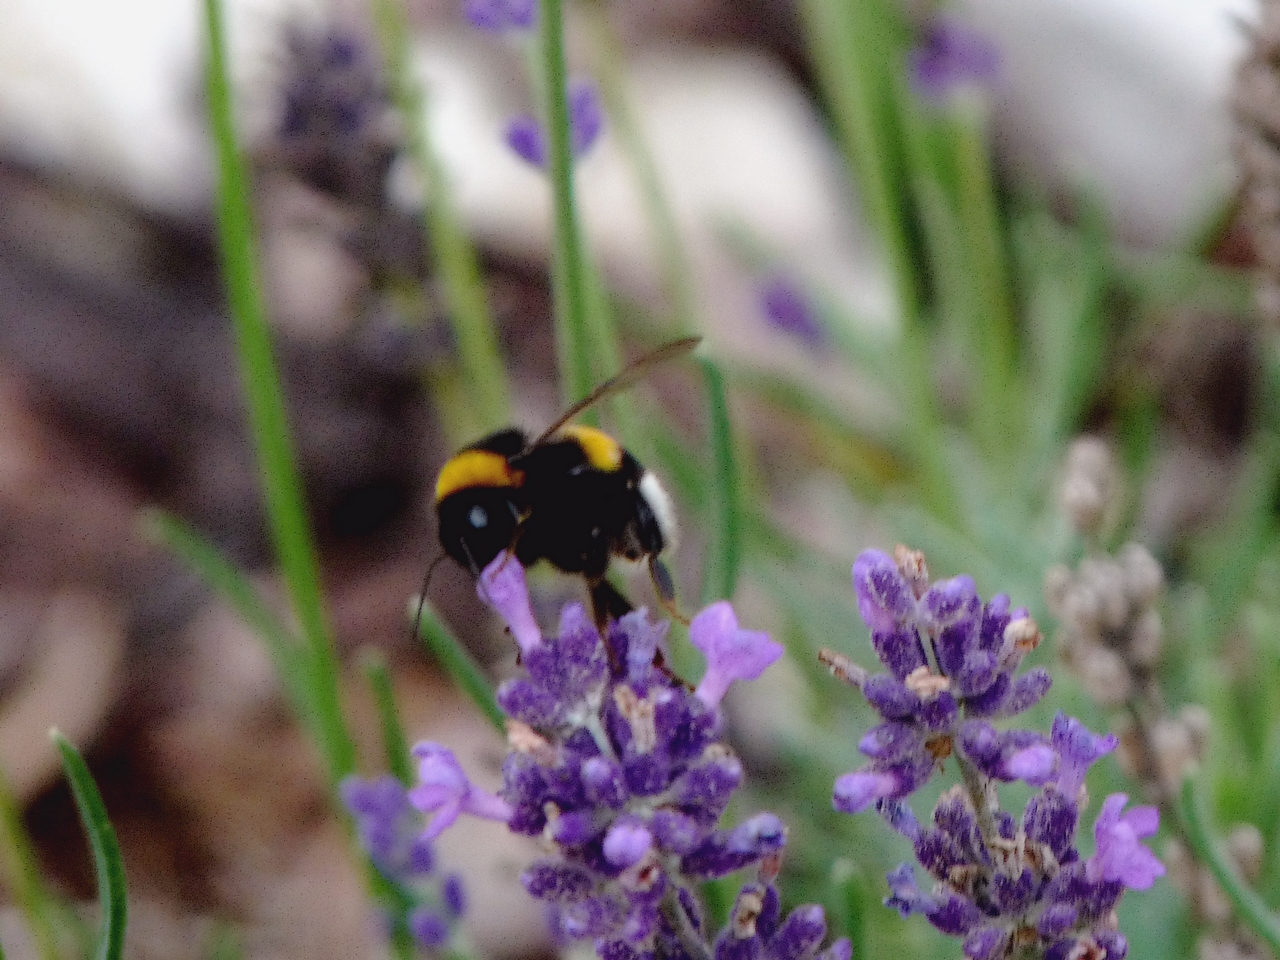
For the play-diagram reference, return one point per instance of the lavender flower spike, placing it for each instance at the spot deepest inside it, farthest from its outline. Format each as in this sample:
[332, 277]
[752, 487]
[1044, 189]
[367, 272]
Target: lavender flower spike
[443, 789]
[503, 587]
[732, 653]
[1120, 854]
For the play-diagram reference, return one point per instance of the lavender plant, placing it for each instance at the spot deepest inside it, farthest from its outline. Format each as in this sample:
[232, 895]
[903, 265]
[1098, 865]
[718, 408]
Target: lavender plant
[625, 774]
[1006, 885]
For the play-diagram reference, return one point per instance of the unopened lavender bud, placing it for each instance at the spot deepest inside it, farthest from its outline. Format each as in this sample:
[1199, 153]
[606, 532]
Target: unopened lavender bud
[603, 781]
[884, 596]
[626, 843]
[1143, 576]
[1246, 848]
[1104, 674]
[557, 881]
[856, 791]
[1081, 609]
[800, 934]
[1089, 485]
[1058, 580]
[428, 928]
[1198, 723]
[1146, 639]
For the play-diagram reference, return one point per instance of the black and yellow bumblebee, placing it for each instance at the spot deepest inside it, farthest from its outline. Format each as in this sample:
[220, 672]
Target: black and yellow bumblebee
[572, 496]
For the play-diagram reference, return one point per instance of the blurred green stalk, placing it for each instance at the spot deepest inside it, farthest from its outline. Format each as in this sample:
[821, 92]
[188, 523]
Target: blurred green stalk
[487, 405]
[22, 871]
[286, 508]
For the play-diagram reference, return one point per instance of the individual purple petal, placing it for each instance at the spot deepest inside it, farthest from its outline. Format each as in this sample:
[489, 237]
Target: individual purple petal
[586, 116]
[985, 943]
[444, 790]
[884, 597]
[951, 602]
[1077, 749]
[890, 698]
[524, 137]
[1120, 855]
[841, 949]
[1028, 690]
[904, 895]
[1034, 765]
[626, 843]
[952, 56]
[856, 791]
[955, 915]
[900, 817]
[503, 587]
[732, 654]
[786, 308]
[800, 934]
[429, 928]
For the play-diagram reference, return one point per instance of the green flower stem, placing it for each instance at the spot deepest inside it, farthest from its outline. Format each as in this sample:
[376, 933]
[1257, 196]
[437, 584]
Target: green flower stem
[1248, 906]
[394, 742]
[107, 861]
[724, 553]
[857, 48]
[609, 63]
[570, 282]
[488, 397]
[22, 872]
[461, 668]
[286, 510]
[983, 240]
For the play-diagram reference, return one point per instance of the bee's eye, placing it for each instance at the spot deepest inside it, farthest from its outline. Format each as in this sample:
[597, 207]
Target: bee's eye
[478, 517]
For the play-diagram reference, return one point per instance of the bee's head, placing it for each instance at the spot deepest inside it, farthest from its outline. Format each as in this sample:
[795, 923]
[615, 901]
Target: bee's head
[478, 507]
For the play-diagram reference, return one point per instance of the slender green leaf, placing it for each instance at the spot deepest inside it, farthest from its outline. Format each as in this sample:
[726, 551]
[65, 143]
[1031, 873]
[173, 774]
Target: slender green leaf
[461, 667]
[724, 558]
[22, 872]
[286, 508]
[394, 742]
[570, 281]
[455, 261]
[287, 653]
[1248, 906]
[109, 865]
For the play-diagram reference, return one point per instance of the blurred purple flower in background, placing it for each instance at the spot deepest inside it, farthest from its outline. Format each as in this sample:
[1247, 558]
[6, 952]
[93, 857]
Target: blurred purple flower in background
[789, 309]
[527, 138]
[952, 57]
[497, 16]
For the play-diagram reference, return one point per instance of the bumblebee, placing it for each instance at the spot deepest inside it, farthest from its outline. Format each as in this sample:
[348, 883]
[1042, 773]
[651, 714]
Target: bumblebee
[572, 496]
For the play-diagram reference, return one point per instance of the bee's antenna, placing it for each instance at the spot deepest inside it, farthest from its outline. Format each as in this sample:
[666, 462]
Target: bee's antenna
[422, 597]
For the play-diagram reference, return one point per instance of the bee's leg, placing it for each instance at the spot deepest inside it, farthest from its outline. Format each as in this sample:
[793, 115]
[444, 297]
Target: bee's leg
[607, 603]
[665, 588]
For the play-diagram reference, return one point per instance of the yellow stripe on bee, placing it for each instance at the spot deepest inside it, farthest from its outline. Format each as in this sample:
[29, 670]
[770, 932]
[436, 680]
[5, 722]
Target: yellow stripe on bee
[476, 468]
[603, 452]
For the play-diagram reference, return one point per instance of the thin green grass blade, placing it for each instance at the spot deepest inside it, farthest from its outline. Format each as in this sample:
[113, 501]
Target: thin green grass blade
[287, 653]
[394, 742]
[109, 865]
[286, 509]
[570, 283]
[724, 555]
[461, 667]
[488, 400]
[22, 872]
[1248, 906]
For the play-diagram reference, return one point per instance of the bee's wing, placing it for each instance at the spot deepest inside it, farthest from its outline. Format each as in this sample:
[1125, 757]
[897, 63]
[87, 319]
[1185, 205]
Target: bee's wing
[629, 375]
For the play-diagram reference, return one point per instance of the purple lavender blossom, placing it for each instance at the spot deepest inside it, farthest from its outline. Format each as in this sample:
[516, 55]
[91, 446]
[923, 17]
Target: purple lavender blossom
[1120, 854]
[787, 308]
[1003, 885]
[621, 770]
[952, 57]
[444, 790]
[527, 139]
[395, 837]
[498, 16]
[952, 665]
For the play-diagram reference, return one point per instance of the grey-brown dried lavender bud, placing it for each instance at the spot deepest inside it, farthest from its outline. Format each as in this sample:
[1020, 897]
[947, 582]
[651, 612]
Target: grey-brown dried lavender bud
[1198, 723]
[1058, 581]
[1143, 575]
[1105, 581]
[1246, 847]
[1089, 484]
[1146, 639]
[1104, 674]
[1175, 752]
[1228, 948]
